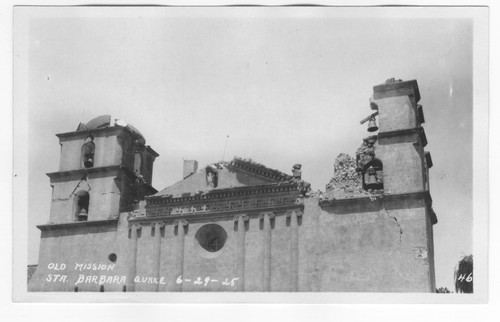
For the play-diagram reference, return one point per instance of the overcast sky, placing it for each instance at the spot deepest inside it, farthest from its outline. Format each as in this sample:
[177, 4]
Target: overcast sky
[288, 86]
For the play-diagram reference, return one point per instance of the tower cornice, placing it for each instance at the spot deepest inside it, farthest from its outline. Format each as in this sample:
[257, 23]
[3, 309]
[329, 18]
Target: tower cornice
[397, 88]
[78, 173]
[405, 132]
[79, 225]
[83, 171]
[83, 133]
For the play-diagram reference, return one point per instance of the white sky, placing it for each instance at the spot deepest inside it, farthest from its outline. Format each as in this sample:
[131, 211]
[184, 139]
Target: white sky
[289, 86]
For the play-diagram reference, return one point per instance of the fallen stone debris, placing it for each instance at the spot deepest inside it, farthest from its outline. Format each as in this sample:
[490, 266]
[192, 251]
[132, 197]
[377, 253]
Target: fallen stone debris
[346, 181]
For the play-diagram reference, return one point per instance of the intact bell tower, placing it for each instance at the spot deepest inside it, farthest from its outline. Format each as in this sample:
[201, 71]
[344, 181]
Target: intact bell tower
[105, 168]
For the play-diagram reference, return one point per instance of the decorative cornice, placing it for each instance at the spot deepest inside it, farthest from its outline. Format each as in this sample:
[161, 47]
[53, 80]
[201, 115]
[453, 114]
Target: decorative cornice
[230, 205]
[235, 192]
[229, 193]
[78, 225]
[214, 216]
[258, 169]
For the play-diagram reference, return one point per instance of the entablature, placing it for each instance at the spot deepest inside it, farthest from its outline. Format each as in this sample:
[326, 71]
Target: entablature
[225, 202]
[229, 193]
[215, 215]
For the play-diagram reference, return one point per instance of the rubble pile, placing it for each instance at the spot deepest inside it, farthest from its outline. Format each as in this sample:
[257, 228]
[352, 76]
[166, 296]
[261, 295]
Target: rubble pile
[346, 181]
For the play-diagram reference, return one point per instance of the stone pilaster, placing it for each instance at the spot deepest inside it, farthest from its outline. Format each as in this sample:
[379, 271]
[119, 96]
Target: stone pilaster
[294, 249]
[157, 226]
[240, 265]
[266, 256]
[134, 229]
[180, 225]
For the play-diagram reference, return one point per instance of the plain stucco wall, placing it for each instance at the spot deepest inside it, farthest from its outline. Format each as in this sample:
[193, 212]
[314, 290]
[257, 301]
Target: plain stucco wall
[402, 162]
[108, 150]
[396, 113]
[369, 251]
[348, 247]
[83, 246]
[71, 153]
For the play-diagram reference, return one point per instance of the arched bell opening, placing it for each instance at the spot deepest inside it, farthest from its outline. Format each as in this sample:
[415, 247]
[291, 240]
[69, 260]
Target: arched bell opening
[82, 200]
[211, 177]
[139, 163]
[88, 150]
[373, 175]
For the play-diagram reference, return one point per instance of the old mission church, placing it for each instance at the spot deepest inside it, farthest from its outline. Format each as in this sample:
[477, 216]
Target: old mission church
[238, 225]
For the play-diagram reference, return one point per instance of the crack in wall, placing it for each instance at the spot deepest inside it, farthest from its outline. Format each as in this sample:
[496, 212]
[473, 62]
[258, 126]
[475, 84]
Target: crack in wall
[397, 223]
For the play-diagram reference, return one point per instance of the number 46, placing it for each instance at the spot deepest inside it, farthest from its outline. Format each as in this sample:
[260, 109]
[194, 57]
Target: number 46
[468, 279]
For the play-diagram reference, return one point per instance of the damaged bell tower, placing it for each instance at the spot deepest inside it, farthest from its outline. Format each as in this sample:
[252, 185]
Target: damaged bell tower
[396, 160]
[240, 226]
[388, 182]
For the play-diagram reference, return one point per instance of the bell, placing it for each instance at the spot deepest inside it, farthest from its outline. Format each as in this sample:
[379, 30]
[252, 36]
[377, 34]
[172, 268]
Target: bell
[83, 212]
[372, 125]
[370, 177]
[88, 163]
[370, 180]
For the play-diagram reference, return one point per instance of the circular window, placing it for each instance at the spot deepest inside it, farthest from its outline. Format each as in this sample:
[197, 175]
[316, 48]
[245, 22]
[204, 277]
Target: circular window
[112, 257]
[211, 237]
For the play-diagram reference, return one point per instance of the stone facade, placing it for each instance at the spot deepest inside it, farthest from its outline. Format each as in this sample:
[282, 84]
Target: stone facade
[239, 225]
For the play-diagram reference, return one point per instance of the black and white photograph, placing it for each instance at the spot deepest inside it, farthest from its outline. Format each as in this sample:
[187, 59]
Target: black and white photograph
[254, 154]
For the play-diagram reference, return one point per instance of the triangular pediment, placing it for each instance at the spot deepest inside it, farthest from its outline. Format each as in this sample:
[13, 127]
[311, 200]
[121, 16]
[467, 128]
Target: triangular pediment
[233, 174]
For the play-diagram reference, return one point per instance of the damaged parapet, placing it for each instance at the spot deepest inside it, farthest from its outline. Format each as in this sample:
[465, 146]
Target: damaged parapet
[346, 181]
[356, 177]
